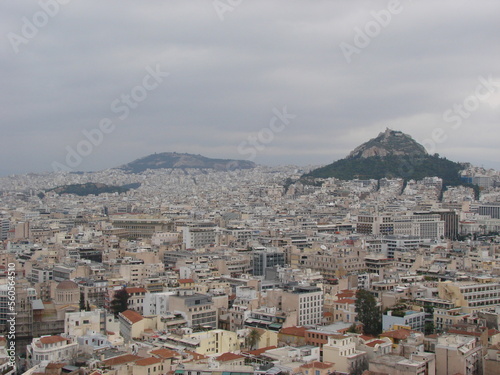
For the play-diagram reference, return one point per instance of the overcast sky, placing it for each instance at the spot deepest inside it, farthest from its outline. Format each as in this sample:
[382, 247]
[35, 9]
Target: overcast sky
[342, 70]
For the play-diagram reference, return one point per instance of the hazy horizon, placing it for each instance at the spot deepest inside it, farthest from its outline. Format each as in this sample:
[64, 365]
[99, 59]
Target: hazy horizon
[119, 80]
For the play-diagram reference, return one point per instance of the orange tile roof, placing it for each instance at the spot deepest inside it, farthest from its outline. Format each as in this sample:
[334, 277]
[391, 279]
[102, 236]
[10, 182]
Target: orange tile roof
[122, 359]
[147, 361]
[54, 365]
[165, 353]
[132, 316]
[196, 356]
[294, 331]
[262, 350]
[366, 337]
[492, 332]
[375, 342]
[52, 339]
[228, 357]
[368, 372]
[345, 294]
[399, 334]
[185, 281]
[464, 333]
[318, 365]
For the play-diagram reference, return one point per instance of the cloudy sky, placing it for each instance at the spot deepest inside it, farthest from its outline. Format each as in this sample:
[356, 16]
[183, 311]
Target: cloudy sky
[278, 82]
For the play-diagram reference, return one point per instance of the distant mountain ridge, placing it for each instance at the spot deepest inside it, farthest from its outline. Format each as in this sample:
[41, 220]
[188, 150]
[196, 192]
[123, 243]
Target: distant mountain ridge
[178, 161]
[392, 154]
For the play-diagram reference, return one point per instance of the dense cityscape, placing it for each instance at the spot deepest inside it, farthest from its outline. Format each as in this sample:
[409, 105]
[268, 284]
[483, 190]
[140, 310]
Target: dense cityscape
[252, 271]
[233, 187]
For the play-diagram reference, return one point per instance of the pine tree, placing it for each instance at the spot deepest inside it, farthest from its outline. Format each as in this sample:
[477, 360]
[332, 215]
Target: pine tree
[120, 302]
[82, 301]
[368, 313]
[253, 338]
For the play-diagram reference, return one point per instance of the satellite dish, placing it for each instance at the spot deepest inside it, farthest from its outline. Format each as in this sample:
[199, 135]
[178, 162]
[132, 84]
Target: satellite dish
[323, 247]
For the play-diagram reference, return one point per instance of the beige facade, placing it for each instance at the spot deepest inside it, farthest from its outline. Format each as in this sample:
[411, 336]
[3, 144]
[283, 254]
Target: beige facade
[341, 350]
[198, 309]
[471, 297]
[458, 355]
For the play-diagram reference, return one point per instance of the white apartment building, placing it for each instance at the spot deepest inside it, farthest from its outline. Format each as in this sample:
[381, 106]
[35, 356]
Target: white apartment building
[307, 301]
[79, 323]
[51, 349]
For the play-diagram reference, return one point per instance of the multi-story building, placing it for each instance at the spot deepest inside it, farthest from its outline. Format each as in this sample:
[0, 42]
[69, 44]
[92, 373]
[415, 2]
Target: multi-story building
[4, 228]
[307, 301]
[414, 320]
[490, 209]
[40, 274]
[341, 350]
[394, 364]
[81, 322]
[199, 237]
[267, 258]
[94, 291]
[456, 354]
[136, 299]
[157, 303]
[51, 349]
[332, 263]
[142, 228]
[213, 342]
[198, 309]
[425, 225]
[471, 297]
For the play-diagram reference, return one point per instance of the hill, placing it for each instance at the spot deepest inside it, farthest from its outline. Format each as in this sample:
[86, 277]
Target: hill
[176, 160]
[392, 154]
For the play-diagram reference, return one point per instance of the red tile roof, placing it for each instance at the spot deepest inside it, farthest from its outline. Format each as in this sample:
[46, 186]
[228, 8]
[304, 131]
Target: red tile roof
[52, 339]
[366, 337]
[196, 356]
[185, 281]
[261, 350]
[294, 331]
[375, 342]
[399, 334]
[464, 333]
[319, 365]
[54, 365]
[122, 359]
[132, 316]
[228, 357]
[492, 332]
[165, 353]
[147, 361]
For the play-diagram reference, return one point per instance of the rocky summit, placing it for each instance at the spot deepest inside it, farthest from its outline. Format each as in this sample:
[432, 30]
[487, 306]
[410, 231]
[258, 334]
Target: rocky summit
[390, 142]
